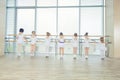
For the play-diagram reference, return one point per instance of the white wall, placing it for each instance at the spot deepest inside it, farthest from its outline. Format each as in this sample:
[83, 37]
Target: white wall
[112, 26]
[109, 24]
[117, 28]
[2, 25]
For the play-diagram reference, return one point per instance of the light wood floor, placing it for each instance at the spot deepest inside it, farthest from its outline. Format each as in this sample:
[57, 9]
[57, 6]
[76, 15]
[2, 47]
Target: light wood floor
[52, 68]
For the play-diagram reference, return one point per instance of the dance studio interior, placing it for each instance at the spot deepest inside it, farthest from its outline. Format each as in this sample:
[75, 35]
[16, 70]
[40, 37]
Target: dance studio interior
[59, 39]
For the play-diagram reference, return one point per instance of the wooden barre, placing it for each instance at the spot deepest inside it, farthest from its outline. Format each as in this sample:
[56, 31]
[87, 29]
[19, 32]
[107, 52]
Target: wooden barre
[64, 35]
[54, 41]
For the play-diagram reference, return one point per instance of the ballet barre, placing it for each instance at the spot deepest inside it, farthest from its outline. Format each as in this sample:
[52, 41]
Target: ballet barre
[14, 35]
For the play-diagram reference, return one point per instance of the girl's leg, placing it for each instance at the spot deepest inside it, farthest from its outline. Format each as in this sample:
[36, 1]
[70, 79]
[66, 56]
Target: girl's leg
[74, 52]
[30, 48]
[47, 51]
[62, 50]
[102, 54]
[19, 49]
[34, 49]
[86, 52]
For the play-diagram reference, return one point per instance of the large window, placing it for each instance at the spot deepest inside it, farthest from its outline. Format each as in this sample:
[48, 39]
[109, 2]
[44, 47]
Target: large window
[11, 3]
[25, 19]
[25, 2]
[46, 2]
[10, 21]
[68, 2]
[55, 16]
[92, 2]
[68, 20]
[46, 21]
[91, 19]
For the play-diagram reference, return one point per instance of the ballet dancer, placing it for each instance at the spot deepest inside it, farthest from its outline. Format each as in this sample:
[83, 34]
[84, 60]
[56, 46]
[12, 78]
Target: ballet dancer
[33, 43]
[61, 41]
[102, 48]
[75, 43]
[47, 44]
[86, 45]
[20, 38]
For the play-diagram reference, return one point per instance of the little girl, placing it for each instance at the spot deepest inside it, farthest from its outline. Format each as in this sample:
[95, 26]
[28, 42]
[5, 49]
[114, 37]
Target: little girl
[47, 44]
[33, 43]
[20, 41]
[75, 42]
[86, 45]
[102, 48]
[61, 45]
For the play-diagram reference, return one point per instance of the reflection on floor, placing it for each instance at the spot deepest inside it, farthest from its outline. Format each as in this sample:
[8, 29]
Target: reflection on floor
[52, 68]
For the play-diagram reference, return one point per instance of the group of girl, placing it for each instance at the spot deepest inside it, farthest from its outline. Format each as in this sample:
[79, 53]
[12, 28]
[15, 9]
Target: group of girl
[75, 41]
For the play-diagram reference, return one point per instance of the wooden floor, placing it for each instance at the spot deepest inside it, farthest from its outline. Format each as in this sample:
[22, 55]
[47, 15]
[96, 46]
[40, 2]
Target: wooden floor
[52, 68]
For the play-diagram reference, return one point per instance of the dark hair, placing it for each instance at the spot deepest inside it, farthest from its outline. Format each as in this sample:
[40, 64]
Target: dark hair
[102, 39]
[86, 34]
[61, 33]
[21, 30]
[47, 33]
[33, 32]
[75, 34]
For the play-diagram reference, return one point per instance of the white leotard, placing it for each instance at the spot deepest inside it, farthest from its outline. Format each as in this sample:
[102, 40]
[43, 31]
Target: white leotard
[20, 39]
[47, 41]
[75, 42]
[87, 43]
[101, 46]
[61, 42]
[33, 40]
[102, 49]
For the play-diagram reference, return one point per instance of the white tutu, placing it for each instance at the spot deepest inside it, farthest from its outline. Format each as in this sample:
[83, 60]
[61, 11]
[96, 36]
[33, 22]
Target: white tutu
[61, 44]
